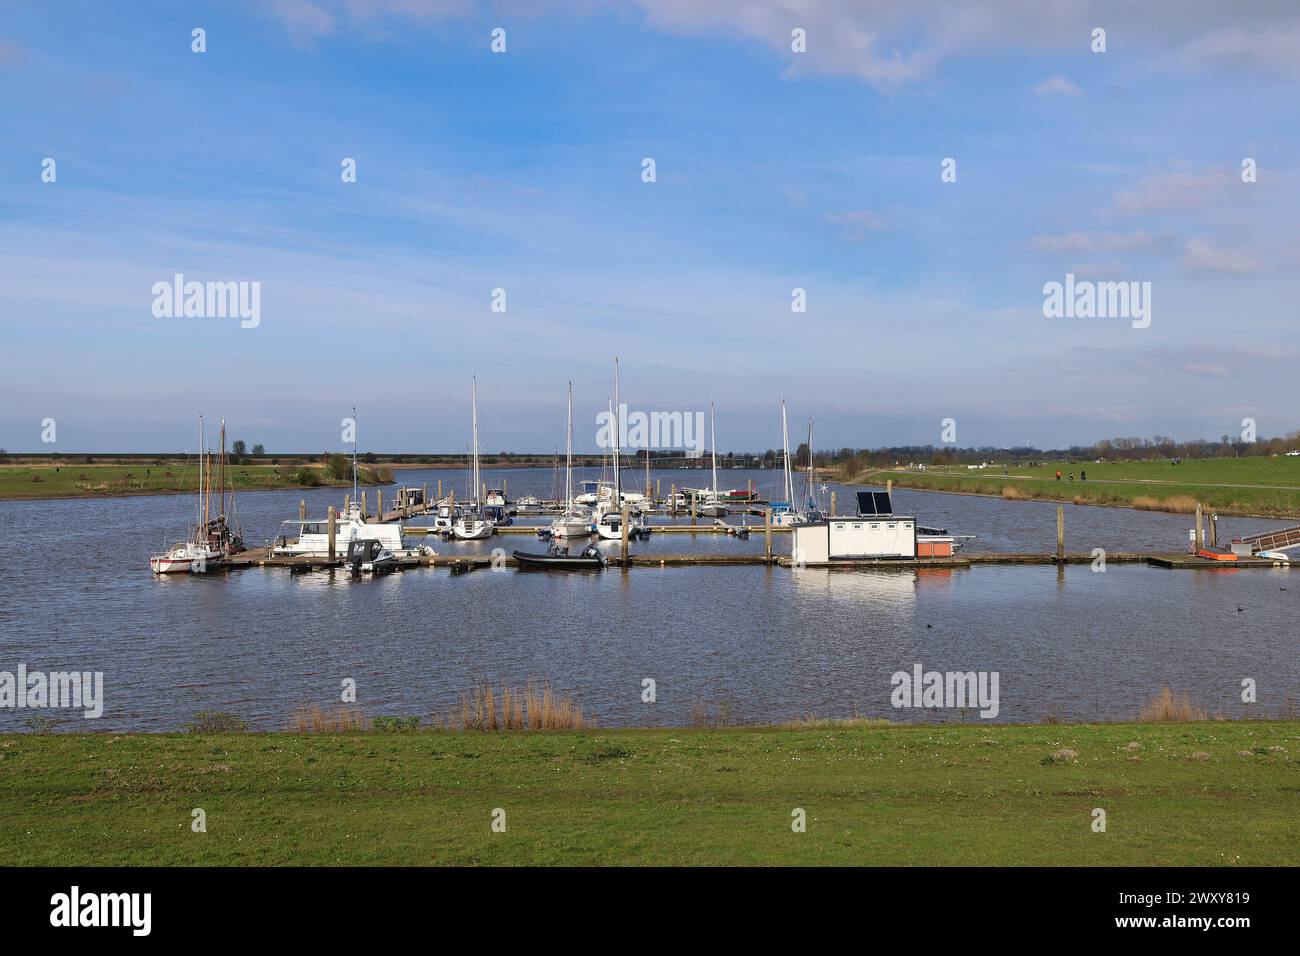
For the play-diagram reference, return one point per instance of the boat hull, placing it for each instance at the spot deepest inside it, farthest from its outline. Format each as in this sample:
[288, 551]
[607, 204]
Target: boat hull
[549, 562]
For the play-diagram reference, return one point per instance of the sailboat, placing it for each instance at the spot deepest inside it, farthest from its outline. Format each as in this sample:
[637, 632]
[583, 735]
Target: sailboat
[713, 506]
[785, 512]
[609, 520]
[574, 522]
[213, 538]
[471, 525]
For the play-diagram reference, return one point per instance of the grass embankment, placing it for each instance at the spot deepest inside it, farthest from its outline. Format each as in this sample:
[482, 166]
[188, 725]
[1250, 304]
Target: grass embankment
[1231, 486]
[1210, 793]
[71, 480]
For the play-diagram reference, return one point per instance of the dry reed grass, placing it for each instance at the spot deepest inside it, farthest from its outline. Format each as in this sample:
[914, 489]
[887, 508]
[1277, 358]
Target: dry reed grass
[1177, 504]
[481, 708]
[1166, 707]
[313, 719]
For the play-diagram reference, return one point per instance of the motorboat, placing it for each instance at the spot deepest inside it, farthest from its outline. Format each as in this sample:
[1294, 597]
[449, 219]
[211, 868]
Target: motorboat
[368, 555]
[310, 537]
[559, 559]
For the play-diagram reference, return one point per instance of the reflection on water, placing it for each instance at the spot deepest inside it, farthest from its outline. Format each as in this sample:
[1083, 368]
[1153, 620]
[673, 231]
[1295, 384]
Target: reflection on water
[774, 643]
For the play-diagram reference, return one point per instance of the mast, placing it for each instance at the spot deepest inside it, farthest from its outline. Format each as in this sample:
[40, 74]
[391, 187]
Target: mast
[812, 500]
[614, 411]
[713, 434]
[198, 501]
[568, 457]
[203, 490]
[474, 414]
[356, 498]
[785, 454]
[222, 476]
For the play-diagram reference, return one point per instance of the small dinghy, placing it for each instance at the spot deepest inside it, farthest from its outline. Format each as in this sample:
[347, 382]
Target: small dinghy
[559, 559]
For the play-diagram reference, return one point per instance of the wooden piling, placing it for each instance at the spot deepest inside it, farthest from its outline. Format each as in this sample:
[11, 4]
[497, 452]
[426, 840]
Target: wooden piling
[347, 503]
[692, 509]
[439, 489]
[1200, 534]
[832, 504]
[672, 502]
[424, 496]
[364, 510]
[623, 528]
[1060, 533]
[379, 503]
[505, 488]
[1214, 529]
[889, 486]
[332, 532]
[767, 530]
[302, 509]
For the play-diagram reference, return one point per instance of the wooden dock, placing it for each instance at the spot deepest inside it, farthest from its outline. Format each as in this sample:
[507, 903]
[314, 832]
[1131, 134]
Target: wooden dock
[260, 557]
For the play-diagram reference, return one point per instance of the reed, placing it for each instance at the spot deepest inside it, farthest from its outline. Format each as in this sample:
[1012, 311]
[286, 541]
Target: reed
[482, 708]
[1012, 493]
[313, 719]
[1176, 504]
[1166, 707]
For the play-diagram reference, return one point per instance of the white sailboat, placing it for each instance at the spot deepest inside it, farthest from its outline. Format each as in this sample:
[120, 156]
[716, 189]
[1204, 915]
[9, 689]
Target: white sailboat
[574, 522]
[713, 506]
[786, 513]
[213, 538]
[470, 525]
[609, 512]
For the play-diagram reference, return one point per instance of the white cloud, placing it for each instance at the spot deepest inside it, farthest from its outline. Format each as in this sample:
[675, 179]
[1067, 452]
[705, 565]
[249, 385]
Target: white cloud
[1057, 86]
[1202, 255]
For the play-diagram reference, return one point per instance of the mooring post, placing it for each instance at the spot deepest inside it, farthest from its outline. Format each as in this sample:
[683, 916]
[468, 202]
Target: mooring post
[424, 496]
[302, 509]
[623, 527]
[1200, 533]
[363, 506]
[331, 532]
[439, 489]
[832, 504]
[672, 503]
[505, 488]
[482, 492]
[692, 509]
[1060, 533]
[379, 503]
[889, 486]
[1214, 529]
[767, 530]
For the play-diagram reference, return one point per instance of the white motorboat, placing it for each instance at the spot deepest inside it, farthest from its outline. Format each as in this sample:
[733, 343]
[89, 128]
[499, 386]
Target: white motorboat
[310, 537]
[471, 527]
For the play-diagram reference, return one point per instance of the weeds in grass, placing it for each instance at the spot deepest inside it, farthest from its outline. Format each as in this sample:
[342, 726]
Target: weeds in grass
[395, 725]
[316, 720]
[1166, 707]
[215, 722]
[528, 708]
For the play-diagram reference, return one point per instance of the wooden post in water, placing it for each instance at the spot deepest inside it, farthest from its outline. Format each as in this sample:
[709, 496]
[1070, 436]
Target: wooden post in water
[347, 503]
[623, 528]
[379, 503]
[889, 486]
[832, 504]
[692, 509]
[1200, 534]
[439, 489]
[1060, 533]
[767, 530]
[483, 492]
[302, 509]
[424, 496]
[672, 504]
[364, 508]
[331, 532]
[505, 488]
[1214, 529]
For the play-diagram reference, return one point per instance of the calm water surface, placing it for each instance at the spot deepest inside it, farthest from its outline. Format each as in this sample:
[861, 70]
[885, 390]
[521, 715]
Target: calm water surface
[760, 644]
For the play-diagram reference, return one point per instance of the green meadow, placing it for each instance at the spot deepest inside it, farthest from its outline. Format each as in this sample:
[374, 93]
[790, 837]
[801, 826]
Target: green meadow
[1173, 794]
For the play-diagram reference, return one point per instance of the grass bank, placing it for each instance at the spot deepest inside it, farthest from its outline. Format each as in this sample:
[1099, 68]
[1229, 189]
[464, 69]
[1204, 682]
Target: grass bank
[71, 480]
[1209, 793]
[1243, 486]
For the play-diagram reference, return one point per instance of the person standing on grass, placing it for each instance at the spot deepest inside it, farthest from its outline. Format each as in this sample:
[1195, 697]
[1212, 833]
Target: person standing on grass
[1058, 476]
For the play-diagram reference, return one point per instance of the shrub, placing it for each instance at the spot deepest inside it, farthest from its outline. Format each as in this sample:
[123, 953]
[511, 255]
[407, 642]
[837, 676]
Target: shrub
[215, 722]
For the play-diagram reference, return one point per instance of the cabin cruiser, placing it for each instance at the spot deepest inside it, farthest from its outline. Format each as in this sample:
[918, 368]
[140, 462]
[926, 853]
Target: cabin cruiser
[310, 537]
[609, 526]
[366, 555]
[472, 527]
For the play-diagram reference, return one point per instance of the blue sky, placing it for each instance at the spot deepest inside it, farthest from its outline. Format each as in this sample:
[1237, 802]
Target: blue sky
[522, 171]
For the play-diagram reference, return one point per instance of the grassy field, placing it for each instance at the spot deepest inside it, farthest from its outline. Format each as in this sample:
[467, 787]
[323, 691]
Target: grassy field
[1208, 793]
[1231, 486]
[70, 480]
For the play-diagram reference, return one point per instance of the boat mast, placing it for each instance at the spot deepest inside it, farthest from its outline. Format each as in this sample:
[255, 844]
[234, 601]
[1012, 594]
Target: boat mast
[713, 434]
[568, 457]
[785, 452]
[223, 477]
[614, 410]
[474, 415]
[812, 500]
[198, 501]
[204, 490]
[356, 499]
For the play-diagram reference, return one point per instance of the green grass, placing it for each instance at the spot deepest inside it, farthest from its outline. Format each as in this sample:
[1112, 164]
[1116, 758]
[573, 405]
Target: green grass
[70, 480]
[953, 794]
[1231, 486]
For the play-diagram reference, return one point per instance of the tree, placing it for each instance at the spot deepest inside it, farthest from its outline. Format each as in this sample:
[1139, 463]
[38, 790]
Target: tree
[239, 449]
[258, 451]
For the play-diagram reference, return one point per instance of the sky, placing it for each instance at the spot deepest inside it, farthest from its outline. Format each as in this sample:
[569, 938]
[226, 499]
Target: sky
[523, 171]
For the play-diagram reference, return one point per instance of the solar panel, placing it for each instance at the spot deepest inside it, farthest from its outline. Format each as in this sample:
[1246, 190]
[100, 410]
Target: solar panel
[874, 503]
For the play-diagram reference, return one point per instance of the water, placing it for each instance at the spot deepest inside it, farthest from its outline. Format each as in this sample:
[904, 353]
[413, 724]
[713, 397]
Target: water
[751, 643]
